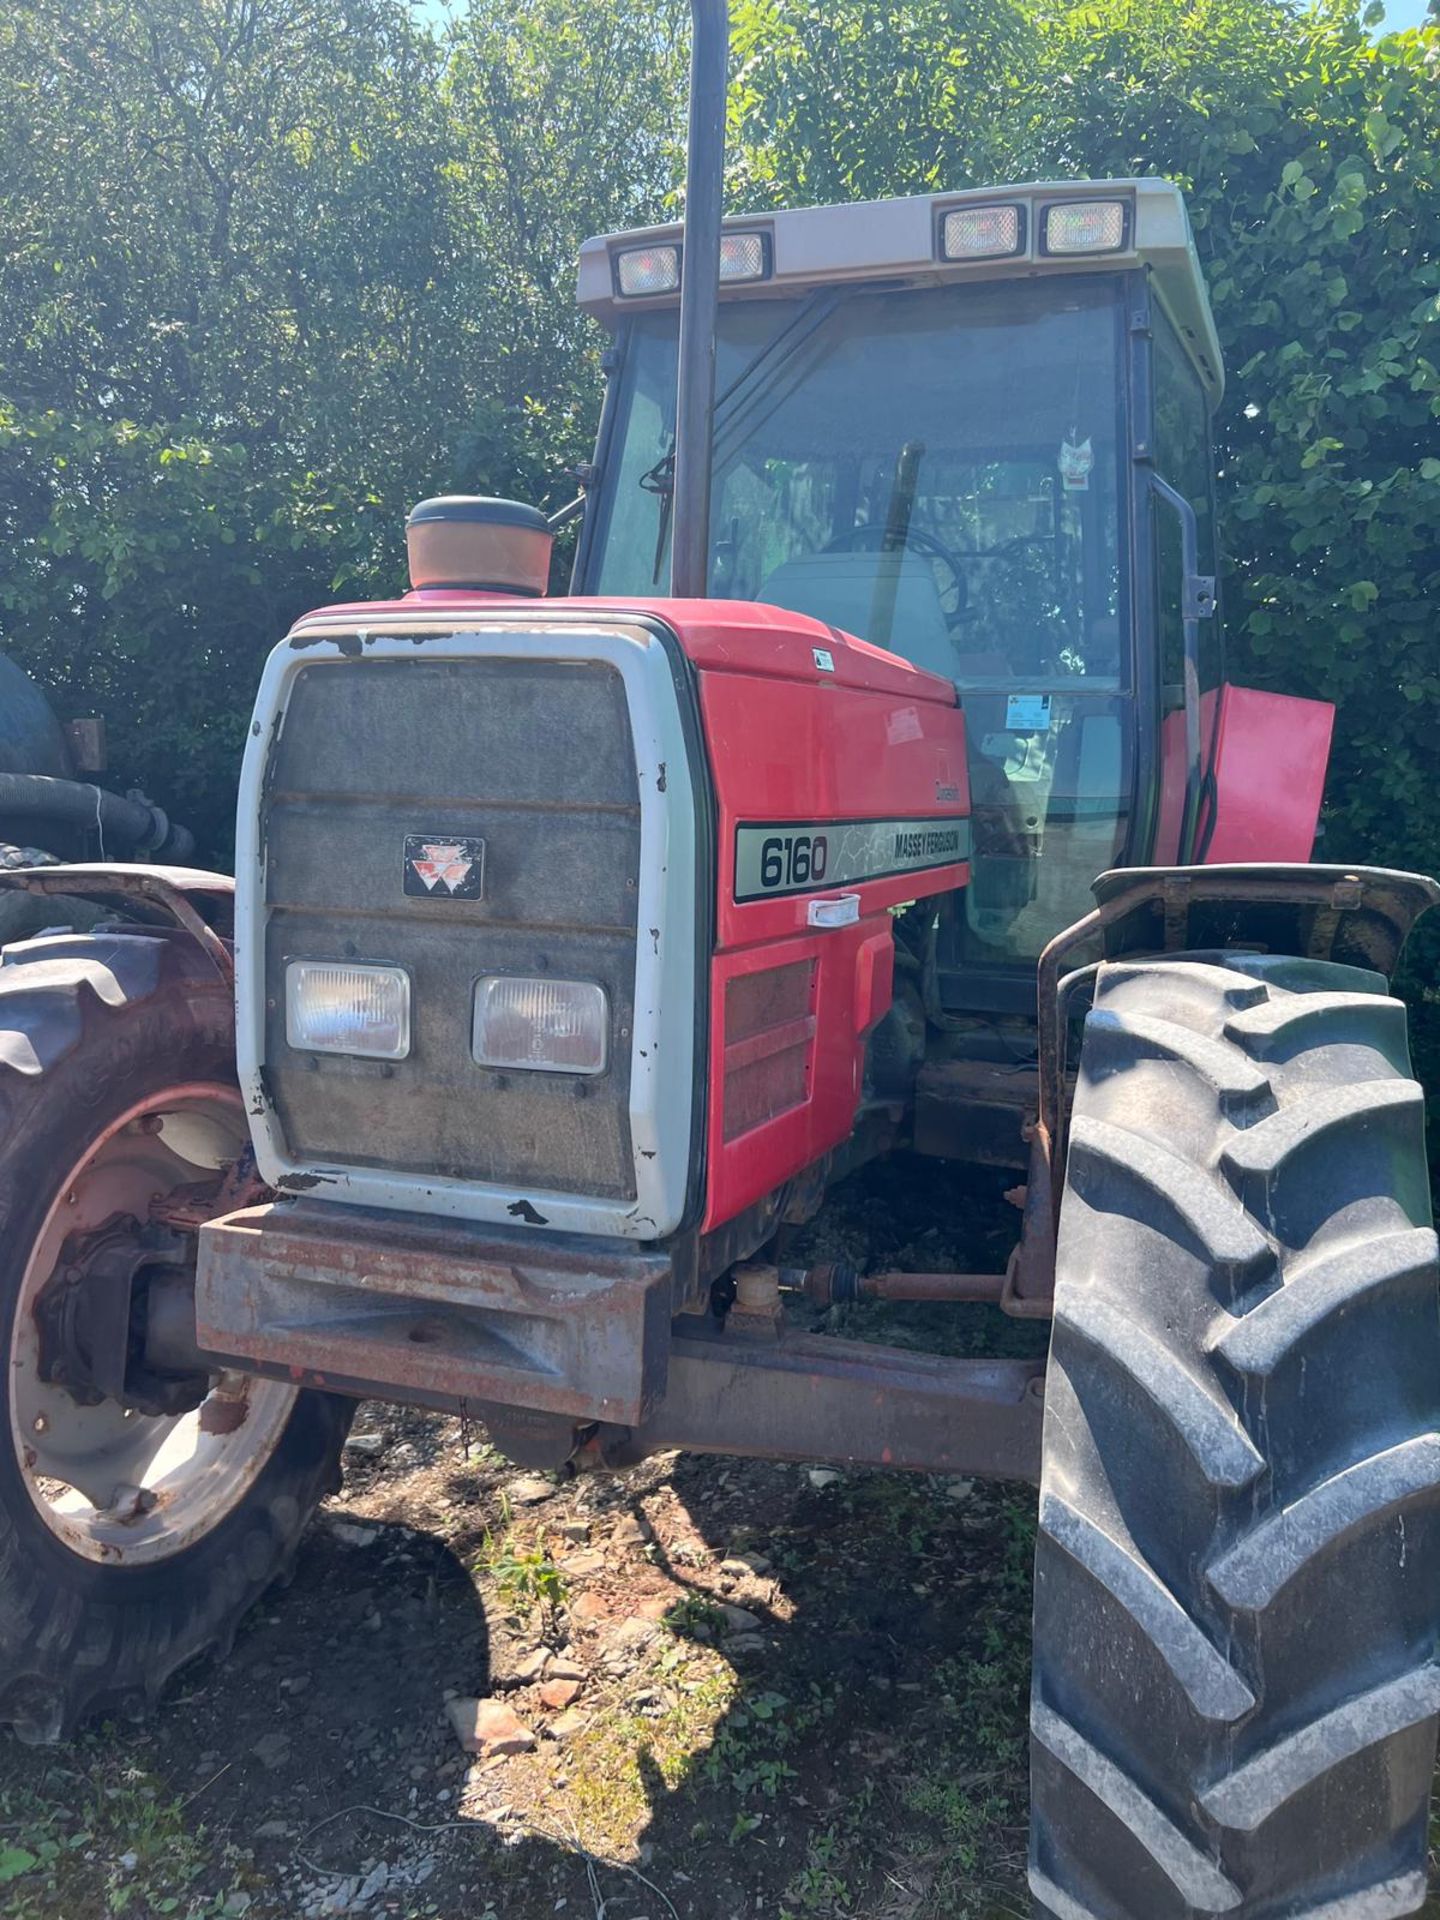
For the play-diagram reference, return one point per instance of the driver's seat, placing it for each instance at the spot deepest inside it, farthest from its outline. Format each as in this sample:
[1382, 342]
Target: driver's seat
[838, 587]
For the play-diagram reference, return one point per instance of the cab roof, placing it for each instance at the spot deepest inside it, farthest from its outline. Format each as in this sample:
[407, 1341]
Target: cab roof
[898, 242]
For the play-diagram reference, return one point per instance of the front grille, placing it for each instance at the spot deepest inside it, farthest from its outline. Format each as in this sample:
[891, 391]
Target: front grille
[535, 758]
[769, 1036]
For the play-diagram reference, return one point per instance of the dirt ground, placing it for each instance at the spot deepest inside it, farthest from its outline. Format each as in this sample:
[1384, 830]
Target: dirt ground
[743, 1689]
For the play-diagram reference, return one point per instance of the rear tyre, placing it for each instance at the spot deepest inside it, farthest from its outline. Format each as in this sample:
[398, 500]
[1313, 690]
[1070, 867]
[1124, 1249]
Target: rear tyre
[131, 1539]
[24, 914]
[1238, 1563]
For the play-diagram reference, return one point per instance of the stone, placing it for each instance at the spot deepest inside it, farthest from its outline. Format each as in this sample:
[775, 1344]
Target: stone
[740, 1646]
[737, 1569]
[558, 1694]
[489, 1728]
[576, 1530]
[273, 1830]
[565, 1726]
[365, 1446]
[564, 1666]
[634, 1633]
[588, 1606]
[530, 1491]
[372, 1885]
[657, 1605]
[533, 1666]
[959, 1489]
[581, 1566]
[272, 1749]
[352, 1536]
[821, 1476]
[738, 1620]
[628, 1532]
[295, 1683]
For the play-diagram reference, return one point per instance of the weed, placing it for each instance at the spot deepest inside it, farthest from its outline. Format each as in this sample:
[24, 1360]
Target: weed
[528, 1581]
[818, 1887]
[693, 1612]
[626, 1761]
[111, 1843]
[747, 1753]
[972, 1794]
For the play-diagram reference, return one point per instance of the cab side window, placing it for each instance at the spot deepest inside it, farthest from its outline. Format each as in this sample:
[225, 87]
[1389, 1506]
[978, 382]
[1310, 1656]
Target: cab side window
[1182, 456]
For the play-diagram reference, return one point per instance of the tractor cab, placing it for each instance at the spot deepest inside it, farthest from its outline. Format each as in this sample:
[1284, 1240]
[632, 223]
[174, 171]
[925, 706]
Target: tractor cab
[938, 426]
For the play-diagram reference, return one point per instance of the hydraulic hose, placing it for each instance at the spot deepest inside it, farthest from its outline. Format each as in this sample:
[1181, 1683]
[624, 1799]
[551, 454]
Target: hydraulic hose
[124, 825]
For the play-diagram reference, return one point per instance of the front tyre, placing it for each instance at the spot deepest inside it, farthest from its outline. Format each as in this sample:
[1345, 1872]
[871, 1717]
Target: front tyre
[141, 1513]
[1238, 1563]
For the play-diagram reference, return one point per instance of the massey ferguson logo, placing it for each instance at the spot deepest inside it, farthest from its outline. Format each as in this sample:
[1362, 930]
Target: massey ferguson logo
[448, 869]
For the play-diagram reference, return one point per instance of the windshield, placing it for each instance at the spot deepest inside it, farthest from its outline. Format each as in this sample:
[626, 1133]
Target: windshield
[935, 471]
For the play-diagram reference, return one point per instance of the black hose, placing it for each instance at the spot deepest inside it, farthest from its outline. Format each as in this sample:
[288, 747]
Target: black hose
[123, 825]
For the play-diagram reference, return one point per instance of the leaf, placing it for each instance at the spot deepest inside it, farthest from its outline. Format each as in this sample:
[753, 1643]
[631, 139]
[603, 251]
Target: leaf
[14, 1861]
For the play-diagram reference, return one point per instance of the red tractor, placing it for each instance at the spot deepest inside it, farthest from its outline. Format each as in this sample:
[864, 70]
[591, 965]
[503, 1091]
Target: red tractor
[577, 944]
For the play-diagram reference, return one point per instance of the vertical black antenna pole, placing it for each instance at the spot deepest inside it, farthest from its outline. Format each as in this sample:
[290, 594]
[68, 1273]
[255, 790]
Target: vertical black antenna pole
[699, 297]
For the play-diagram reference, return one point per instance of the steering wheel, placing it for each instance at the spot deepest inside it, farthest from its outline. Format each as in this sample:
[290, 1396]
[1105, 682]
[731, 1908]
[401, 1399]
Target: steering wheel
[873, 536]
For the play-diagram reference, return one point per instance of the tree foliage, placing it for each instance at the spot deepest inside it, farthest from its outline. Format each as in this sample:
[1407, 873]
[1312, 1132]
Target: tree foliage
[271, 269]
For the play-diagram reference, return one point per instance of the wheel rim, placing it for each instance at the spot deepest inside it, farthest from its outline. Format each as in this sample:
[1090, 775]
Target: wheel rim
[115, 1485]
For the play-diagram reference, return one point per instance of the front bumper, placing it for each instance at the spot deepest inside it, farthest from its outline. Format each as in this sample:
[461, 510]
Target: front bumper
[435, 1313]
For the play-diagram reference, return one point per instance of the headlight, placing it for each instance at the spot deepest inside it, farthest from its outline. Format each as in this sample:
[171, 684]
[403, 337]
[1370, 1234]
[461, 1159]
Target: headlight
[648, 270]
[744, 256]
[1086, 226]
[332, 1007]
[553, 1026]
[981, 233]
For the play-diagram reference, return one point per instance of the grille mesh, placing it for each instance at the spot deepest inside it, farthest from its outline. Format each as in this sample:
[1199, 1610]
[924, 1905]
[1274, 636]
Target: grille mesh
[535, 759]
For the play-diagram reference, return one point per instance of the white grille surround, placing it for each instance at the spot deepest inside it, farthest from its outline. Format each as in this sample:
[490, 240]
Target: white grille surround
[667, 986]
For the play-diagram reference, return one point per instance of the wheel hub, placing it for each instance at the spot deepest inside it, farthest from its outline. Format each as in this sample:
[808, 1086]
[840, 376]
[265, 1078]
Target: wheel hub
[129, 1448]
[92, 1317]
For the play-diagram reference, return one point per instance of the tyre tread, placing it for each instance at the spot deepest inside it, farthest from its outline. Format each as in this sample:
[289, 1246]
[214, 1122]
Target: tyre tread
[1304, 1210]
[65, 1655]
